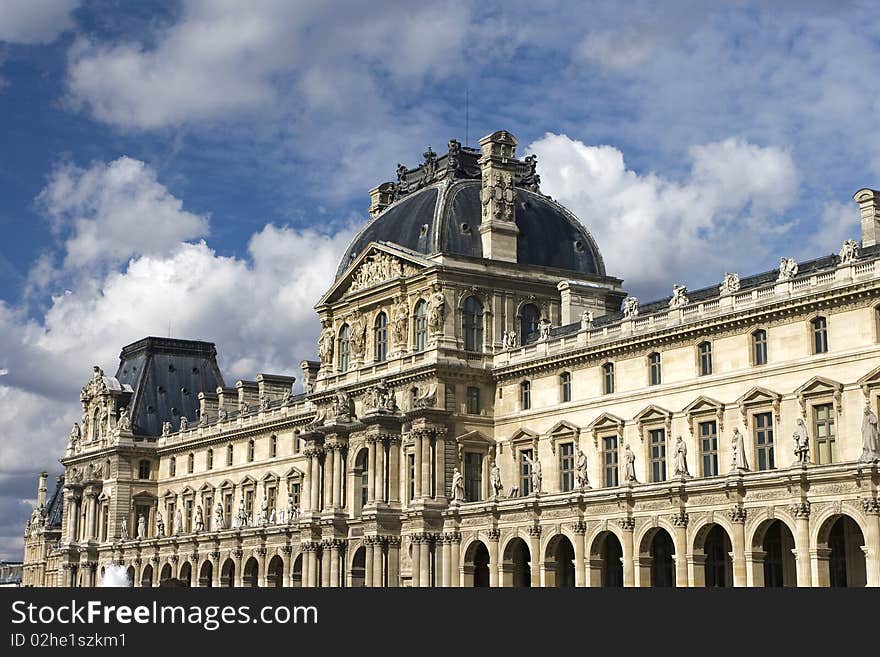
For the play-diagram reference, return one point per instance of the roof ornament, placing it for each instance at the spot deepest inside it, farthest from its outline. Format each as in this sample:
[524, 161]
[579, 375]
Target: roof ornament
[630, 307]
[529, 177]
[788, 269]
[849, 252]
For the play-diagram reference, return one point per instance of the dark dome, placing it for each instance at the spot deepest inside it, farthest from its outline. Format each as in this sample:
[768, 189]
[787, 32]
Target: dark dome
[550, 236]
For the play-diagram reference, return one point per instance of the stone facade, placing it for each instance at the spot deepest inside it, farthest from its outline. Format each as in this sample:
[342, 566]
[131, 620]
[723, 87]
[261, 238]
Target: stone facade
[490, 418]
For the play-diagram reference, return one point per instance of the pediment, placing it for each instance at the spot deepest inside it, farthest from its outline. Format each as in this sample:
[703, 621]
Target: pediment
[704, 404]
[269, 476]
[870, 380]
[524, 434]
[474, 437]
[294, 473]
[248, 481]
[606, 421]
[564, 427]
[206, 488]
[377, 264]
[819, 385]
[758, 395]
[653, 413]
[226, 484]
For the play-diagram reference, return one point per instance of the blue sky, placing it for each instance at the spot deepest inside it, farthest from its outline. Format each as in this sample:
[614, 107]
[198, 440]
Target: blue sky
[199, 166]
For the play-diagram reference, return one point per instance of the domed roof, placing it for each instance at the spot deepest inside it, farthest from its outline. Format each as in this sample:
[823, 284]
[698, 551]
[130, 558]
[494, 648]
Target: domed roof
[444, 216]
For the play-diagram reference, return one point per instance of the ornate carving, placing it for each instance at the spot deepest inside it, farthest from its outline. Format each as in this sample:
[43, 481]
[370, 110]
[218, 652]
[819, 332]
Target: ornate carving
[627, 524]
[630, 308]
[679, 297]
[730, 284]
[579, 527]
[494, 534]
[871, 505]
[680, 519]
[380, 399]
[849, 252]
[357, 339]
[800, 509]
[378, 268]
[870, 437]
[788, 269]
[737, 513]
[586, 320]
[498, 187]
[534, 530]
[436, 309]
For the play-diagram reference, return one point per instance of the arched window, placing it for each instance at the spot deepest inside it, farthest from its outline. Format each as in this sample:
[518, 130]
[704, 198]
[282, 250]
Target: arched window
[705, 353]
[528, 322]
[820, 335]
[608, 378]
[209, 459]
[144, 469]
[420, 325]
[759, 347]
[472, 324]
[380, 338]
[229, 454]
[96, 424]
[190, 463]
[344, 347]
[250, 453]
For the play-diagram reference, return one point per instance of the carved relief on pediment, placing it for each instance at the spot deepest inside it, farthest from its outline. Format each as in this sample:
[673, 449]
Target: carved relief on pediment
[378, 268]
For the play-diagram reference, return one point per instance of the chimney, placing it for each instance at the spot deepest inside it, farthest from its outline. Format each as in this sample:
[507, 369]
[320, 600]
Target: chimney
[310, 374]
[41, 489]
[498, 196]
[380, 198]
[869, 205]
[248, 393]
[274, 386]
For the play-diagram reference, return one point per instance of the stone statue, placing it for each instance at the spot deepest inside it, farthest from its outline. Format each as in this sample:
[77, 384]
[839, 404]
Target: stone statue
[264, 510]
[386, 398]
[788, 269]
[436, 309]
[581, 479]
[218, 517]
[325, 343]
[222, 414]
[160, 524]
[679, 297]
[125, 536]
[681, 464]
[586, 320]
[738, 459]
[357, 338]
[495, 479]
[75, 435]
[142, 526]
[124, 421]
[178, 522]
[629, 465]
[508, 340]
[801, 442]
[849, 252]
[399, 323]
[630, 307]
[544, 326]
[537, 475]
[457, 486]
[341, 406]
[870, 437]
[184, 423]
[200, 520]
[730, 284]
[166, 428]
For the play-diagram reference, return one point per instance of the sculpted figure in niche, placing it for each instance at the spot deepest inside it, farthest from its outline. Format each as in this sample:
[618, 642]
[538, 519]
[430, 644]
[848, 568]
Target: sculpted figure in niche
[738, 452]
[457, 486]
[218, 516]
[386, 399]
[801, 442]
[358, 335]
[629, 461]
[325, 343]
[630, 307]
[160, 524]
[870, 437]
[75, 435]
[341, 407]
[399, 322]
[508, 340]
[124, 421]
[200, 520]
[581, 470]
[142, 527]
[264, 510]
[178, 522]
[125, 529]
[166, 428]
[436, 309]
[681, 465]
[495, 479]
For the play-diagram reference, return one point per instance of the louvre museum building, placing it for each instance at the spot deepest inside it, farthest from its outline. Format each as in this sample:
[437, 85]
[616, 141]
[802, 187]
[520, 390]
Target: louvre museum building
[488, 406]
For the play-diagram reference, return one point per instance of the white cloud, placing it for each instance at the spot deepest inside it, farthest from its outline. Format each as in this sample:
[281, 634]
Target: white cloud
[35, 21]
[650, 228]
[113, 211]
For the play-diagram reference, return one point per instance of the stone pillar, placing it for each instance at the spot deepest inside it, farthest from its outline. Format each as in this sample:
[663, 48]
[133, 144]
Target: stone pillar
[455, 557]
[337, 501]
[426, 466]
[334, 562]
[239, 575]
[425, 562]
[313, 564]
[444, 542]
[287, 573]
[418, 438]
[697, 570]
[329, 479]
[680, 522]
[393, 470]
[417, 540]
[801, 512]
[737, 517]
[535, 553]
[872, 541]
[755, 568]
[380, 470]
[494, 563]
[627, 525]
[368, 560]
[378, 580]
[306, 488]
[819, 562]
[371, 467]
[261, 568]
[215, 569]
[580, 569]
[73, 520]
[440, 474]
[393, 561]
[91, 504]
[325, 564]
[315, 476]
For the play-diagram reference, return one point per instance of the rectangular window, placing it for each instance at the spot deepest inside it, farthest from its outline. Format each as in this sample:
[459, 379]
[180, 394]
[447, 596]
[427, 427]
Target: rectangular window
[820, 335]
[709, 448]
[764, 441]
[565, 383]
[654, 366]
[473, 400]
[609, 461]
[411, 475]
[209, 459]
[705, 358]
[271, 497]
[249, 503]
[473, 476]
[189, 516]
[608, 378]
[295, 492]
[172, 467]
[657, 441]
[171, 527]
[823, 429]
[525, 472]
[566, 466]
[227, 509]
[208, 513]
[525, 395]
[759, 342]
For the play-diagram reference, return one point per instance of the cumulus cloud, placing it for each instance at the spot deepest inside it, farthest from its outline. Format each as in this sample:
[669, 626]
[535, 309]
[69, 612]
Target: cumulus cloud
[35, 21]
[649, 228]
[257, 308]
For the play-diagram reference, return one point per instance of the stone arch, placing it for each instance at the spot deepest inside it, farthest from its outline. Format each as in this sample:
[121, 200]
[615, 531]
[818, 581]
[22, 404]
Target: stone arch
[476, 564]
[250, 574]
[275, 572]
[296, 571]
[358, 566]
[227, 573]
[711, 548]
[186, 573]
[165, 574]
[516, 563]
[656, 556]
[559, 566]
[147, 576]
[840, 548]
[771, 543]
[206, 574]
[130, 574]
[605, 565]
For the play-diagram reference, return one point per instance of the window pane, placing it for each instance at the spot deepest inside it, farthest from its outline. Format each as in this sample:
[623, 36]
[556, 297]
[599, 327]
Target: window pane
[657, 440]
[566, 466]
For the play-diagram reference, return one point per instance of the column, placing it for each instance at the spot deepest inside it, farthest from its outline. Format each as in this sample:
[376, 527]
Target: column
[580, 571]
[535, 554]
[287, 575]
[755, 568]
[73, 526]
[315, 477]
[738, 519]
[92, 514]
[306, 491]
[455, 556]
[337, 501]
[802, 543]
[328, 476]
[418, 437]
[440, 475]
[416, 559]
[371, 465]
[445, 544]
[426, 466]
[872, 541]
[239, 575]
[313, 564]
[368, 561]
[494, 566]
[215, 569]
[425, 562]
[820, 564]
[334, 557]
[261, 568]
[378, 580]
[380, 470]
[627, 525]
[679, 539]
[393, 561]
[393, 470]
[325, 564]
